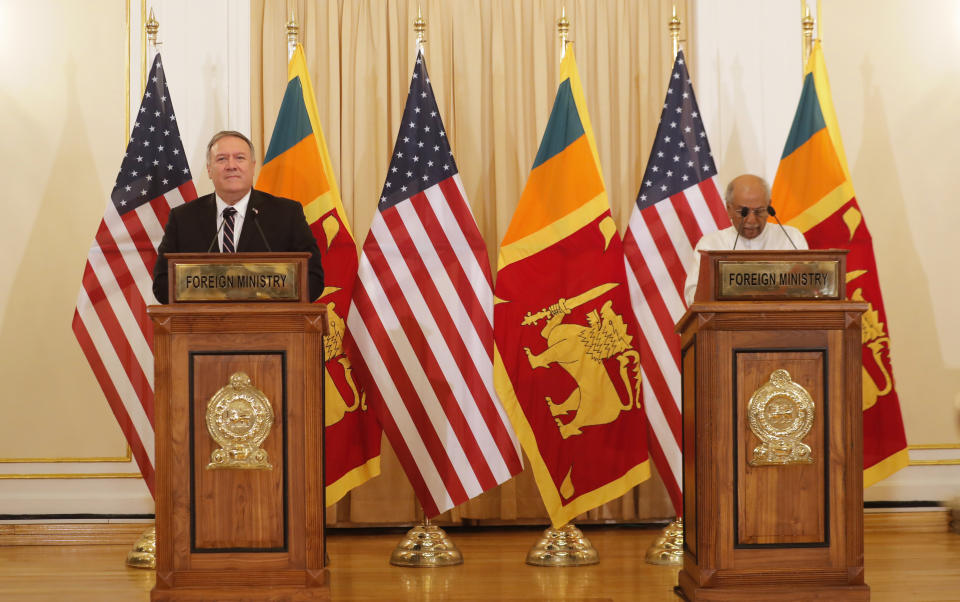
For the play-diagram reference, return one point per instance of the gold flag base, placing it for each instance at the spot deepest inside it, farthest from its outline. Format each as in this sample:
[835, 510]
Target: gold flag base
[566, 546]
[426, 545]
[144, 552]
[667, 550]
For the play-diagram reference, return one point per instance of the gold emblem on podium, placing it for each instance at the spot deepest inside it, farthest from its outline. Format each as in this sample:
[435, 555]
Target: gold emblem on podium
[239, 418]
[781, 415]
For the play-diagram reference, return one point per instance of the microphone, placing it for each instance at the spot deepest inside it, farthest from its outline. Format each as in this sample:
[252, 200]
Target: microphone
[216, 235]
[256, 214]
[744, 212]
[773, 214]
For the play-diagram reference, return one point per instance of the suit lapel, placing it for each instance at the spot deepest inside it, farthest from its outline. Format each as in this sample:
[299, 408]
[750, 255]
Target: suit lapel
[208, 217]
[249, 238]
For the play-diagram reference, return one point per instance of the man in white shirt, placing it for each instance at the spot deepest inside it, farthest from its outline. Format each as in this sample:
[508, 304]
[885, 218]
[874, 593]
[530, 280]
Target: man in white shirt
[748, 200]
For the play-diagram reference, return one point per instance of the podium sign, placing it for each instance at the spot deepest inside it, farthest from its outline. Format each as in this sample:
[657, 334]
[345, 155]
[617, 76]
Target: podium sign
[239, 434]
[205, 277]
[772, 431]
[779, 279]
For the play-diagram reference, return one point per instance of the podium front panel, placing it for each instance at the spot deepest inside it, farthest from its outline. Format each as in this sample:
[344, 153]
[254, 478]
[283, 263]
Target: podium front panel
[763, 518]
[238, 510]
[243, 532]
[772, 475]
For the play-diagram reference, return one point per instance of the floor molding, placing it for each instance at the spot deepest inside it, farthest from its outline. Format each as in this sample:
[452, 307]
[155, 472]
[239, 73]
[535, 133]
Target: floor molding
[928, 521]
[114, 533]
[70, 534]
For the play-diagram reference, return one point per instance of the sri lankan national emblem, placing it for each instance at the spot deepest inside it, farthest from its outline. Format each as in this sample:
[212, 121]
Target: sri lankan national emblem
[581, 351]
[781, 415]
[239, 418]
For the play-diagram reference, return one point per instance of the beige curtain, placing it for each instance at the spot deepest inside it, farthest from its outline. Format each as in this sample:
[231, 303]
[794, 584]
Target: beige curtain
[493, 65]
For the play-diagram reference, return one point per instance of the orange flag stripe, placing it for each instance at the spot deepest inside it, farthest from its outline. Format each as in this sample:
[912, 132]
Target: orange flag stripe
[293, 175]
[806, 175]
[567, 180]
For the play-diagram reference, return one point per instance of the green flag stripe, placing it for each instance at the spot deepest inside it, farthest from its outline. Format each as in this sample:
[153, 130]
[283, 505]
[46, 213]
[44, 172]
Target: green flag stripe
[293, 122]
[563, 127]
[808, 120]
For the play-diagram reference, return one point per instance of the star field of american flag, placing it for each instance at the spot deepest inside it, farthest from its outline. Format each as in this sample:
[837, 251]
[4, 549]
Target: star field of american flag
[422, 155]
[155, 160]
[681, 155]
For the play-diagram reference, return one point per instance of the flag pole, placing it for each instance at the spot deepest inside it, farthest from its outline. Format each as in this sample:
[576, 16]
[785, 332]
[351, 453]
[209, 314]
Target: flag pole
[143, 555]
[675, 32]
[806, 24]
[293, 35]
[425, 545]
[667, 548]
[563, 546]
[153, 46]
[563, 28]
[419, 27]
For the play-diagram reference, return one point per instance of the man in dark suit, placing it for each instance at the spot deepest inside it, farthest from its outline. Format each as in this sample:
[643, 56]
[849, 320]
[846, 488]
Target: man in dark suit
[228, 220]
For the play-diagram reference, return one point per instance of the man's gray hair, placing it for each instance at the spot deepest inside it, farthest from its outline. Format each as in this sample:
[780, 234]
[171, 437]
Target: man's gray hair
[728, 193]
[227, 134]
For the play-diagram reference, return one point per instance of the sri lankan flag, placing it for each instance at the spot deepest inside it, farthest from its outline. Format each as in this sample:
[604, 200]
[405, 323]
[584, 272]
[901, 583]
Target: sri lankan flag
[814, 192]
[297, 166]
[566, 364]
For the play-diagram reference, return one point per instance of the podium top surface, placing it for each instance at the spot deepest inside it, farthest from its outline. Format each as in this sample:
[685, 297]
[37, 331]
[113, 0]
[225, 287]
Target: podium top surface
[762, 312]
[239, 318]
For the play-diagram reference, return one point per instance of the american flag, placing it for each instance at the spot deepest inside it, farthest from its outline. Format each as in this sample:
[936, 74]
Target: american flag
[678, 203]
[421, 320]
[110, 321]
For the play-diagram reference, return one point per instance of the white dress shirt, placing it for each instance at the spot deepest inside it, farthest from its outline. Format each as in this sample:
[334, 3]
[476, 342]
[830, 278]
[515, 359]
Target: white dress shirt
[771, 239]
[241, 207]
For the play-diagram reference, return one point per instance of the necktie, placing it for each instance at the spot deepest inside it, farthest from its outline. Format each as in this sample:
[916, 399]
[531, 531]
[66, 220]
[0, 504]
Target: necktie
[229, 214]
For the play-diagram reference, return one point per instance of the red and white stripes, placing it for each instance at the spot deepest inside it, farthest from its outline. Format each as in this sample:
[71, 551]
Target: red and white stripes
[658, 247]
[421, 322]
[111, 322]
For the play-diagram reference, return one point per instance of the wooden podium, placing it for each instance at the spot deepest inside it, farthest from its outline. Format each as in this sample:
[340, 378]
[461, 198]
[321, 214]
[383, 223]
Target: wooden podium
[240, 501]
[772, 477]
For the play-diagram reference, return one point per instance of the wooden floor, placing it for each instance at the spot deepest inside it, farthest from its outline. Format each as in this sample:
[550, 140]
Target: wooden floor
[906, 558]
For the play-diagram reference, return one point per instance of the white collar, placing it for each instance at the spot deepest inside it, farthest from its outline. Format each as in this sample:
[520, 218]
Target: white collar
[240, 206]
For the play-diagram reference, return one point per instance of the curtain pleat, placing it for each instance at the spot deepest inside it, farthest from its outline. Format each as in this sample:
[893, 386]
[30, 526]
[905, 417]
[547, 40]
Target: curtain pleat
[494, 66]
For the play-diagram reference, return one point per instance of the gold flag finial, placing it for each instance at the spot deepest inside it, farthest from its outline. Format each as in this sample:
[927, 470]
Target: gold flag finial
[420, 27]
[563, 28]
[152, 26]
[293, 34]
[806, 23]
[675, 31]
[149, 46]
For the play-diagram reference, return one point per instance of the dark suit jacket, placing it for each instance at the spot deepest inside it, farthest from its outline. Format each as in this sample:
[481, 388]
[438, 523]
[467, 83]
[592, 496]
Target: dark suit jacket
[192, 226]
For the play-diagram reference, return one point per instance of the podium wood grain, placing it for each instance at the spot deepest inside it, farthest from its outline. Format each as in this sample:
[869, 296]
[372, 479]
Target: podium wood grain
[800, 516]
[238, 508]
